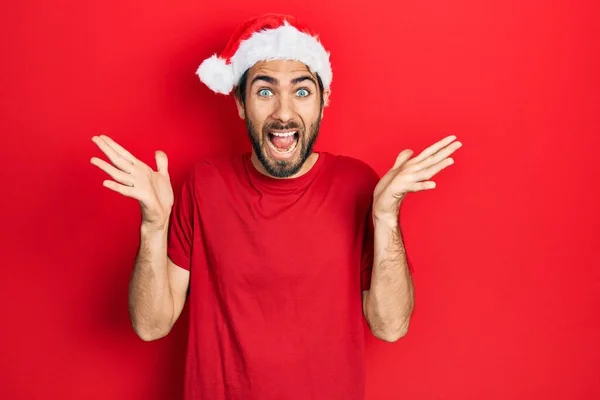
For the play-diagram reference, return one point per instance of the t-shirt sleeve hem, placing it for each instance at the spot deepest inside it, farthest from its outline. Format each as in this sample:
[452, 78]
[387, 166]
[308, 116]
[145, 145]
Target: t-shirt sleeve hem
[179, 258]
[365, 279]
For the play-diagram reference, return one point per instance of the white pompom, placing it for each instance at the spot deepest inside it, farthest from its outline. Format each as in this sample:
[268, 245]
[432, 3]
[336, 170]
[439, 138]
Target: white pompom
[216, 74]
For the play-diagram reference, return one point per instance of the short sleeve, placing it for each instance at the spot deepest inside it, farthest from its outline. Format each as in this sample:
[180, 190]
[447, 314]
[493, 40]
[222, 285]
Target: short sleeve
[181, 224]
[371, 178]
[367, 253]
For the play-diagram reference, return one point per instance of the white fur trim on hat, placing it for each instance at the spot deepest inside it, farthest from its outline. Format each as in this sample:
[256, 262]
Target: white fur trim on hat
[216, 74]
[282, 43]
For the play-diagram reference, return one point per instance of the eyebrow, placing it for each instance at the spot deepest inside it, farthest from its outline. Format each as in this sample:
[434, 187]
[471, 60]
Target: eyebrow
[295, 81]
[274, 81]
[265, 78]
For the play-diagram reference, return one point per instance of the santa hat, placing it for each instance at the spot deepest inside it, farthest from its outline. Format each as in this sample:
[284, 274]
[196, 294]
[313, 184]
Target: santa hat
[264, 38]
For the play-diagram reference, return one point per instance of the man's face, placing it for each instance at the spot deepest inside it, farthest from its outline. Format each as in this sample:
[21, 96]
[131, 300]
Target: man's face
[283, 112]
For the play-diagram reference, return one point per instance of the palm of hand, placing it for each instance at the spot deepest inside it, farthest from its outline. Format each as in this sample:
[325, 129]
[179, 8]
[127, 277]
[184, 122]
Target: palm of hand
[160, 193]
[135, 179]
[412, 175]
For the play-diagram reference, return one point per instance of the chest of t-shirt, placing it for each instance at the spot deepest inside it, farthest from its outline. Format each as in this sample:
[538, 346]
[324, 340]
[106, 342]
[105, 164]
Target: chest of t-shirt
[272, 244]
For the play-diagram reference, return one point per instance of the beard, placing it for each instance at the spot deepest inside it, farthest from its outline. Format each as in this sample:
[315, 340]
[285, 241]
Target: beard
[283, 168]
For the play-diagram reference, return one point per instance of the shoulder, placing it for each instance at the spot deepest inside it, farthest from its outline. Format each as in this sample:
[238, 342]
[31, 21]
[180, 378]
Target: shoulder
[206, 176]
[213, 167]
[353, 169]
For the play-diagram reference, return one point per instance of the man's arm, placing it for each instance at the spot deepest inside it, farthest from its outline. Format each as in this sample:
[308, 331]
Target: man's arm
[389, 303]
[158, 287]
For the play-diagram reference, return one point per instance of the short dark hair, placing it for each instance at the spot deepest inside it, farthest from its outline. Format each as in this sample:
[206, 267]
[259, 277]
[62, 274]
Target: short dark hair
[240, 89]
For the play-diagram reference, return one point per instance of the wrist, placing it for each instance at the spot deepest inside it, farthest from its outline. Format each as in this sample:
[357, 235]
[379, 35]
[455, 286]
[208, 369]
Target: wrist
[386, 219]
[154, 228]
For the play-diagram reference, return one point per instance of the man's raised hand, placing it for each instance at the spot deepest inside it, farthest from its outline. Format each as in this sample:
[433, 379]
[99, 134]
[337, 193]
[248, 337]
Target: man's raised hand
[133, 178]
[412, 174]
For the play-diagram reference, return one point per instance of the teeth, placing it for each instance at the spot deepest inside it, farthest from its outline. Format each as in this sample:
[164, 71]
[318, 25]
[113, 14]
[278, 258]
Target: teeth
[283, 152]
[283, 134]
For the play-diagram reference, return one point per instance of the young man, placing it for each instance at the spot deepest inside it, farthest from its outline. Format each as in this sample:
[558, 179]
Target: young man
[283, 250]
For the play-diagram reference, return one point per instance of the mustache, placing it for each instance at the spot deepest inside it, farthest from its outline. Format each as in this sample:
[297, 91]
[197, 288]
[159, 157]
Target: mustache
[276, 125]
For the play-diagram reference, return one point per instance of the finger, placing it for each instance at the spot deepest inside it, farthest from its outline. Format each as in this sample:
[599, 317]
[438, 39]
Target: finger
[114, 173]
[403, 157]
[122, 189]
[425, 185]
[119, 149]
[433, 148]
[429, 172]
[112, 155]
[438, 157]
[162, 162]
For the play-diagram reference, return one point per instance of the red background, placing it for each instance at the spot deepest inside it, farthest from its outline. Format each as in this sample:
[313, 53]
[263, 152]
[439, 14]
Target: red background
[505, 248]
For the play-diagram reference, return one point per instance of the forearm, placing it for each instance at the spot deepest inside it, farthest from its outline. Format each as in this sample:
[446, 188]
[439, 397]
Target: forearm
[389, 302]
[151, 305]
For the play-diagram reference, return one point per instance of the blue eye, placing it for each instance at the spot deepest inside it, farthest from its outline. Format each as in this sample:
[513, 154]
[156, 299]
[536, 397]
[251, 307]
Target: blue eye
[303, 92]
[264, 92]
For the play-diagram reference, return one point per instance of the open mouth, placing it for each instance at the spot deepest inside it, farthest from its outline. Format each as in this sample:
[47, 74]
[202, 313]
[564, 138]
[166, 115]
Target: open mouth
[283, 143]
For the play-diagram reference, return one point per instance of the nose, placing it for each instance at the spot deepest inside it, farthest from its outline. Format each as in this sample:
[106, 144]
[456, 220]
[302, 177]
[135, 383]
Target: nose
[284, 109]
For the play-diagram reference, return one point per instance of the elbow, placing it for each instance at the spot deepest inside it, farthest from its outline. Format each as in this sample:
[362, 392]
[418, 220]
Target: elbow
[148, 334]
[387, 326]
[392, 333]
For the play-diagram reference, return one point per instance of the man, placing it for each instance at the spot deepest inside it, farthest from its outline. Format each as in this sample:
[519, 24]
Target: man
[283, 250]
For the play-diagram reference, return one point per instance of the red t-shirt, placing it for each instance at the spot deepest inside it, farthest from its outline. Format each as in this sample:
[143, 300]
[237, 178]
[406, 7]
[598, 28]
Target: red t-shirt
[277, 267]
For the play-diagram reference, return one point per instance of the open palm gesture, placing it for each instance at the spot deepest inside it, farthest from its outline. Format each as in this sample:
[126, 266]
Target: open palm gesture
[135, 179]
[412, 175]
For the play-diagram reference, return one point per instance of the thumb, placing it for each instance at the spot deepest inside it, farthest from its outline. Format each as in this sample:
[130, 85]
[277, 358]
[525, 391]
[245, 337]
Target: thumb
[403, 157]
[162, 162]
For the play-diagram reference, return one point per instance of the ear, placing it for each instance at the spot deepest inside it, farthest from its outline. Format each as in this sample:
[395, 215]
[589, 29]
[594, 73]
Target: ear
[239, 105]
[326, 94]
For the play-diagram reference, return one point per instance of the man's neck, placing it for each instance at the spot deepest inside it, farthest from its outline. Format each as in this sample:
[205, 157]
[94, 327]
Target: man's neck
[308, 164]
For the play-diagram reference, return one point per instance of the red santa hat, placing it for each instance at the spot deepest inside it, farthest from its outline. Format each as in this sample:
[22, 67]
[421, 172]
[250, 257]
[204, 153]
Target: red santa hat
[264, 38]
